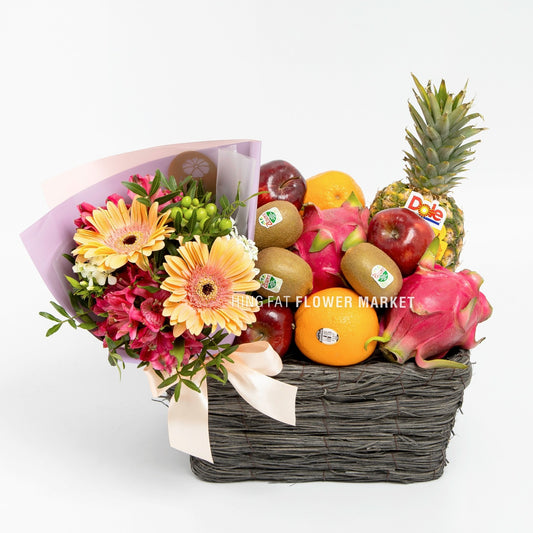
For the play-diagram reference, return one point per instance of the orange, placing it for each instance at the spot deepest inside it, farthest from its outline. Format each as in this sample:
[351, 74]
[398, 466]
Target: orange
[331, 189]
[333, 325]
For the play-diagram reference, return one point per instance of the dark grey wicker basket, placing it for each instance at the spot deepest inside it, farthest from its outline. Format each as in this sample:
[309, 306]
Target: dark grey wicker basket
[376, 421]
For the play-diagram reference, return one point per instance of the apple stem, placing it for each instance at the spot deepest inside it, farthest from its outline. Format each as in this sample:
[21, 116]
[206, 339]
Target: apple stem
[284, 184]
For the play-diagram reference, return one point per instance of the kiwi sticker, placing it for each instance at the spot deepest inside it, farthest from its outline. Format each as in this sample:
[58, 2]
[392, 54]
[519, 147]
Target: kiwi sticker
[327, 336]
[381, 276]
[270, 282]
[270, 217]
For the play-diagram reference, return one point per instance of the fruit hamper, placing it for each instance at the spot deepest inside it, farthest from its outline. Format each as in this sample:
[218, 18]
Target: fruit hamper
[375, 421]
[294, 332]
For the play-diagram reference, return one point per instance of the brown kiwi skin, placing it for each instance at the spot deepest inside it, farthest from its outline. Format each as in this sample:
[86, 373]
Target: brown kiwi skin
[357, 264]
[296, 274]
[283, 234]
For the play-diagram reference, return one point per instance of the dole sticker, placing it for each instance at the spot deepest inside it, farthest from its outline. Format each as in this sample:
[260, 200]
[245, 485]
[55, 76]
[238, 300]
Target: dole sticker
[430, 212]
[270, 217]
[270, 282]
[381, 276]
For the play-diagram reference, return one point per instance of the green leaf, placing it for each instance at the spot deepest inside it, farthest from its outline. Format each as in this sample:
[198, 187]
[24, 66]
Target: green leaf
[156, 182]
[179, 350]
[69, 258]
[133, 354]
[149, 288]
[192, 190]
[172, 249]
[144, 201]
[49, 316]
[216, 376]
[191, 385]
[53, 329]
[164, 181]
[74, 282]
[177, 391]
[112, 345]
[167, 197]
[135, 188]
[224, 371]
[172, 184]
[72, 323]
[60, 310]
[87, 325]
[167, 382]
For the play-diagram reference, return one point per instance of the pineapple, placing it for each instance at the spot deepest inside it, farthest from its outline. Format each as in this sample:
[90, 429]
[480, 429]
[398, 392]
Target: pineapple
[437, 157]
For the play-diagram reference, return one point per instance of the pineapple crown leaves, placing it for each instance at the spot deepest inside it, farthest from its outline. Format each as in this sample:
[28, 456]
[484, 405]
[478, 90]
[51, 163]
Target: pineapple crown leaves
[439, 153]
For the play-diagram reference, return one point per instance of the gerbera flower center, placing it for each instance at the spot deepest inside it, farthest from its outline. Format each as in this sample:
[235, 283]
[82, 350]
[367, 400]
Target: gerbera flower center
[128, 239]
[208, 288]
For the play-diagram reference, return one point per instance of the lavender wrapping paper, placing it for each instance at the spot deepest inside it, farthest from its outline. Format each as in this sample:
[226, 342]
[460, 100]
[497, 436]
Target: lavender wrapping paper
[52, 235]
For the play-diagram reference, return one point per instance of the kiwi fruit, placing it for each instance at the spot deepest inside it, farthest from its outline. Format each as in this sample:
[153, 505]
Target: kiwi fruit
[371, 272]
[279, 224]
[283, 274]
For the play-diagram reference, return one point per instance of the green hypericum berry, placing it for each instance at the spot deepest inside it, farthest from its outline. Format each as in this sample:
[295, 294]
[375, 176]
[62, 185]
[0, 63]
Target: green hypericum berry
[211, 209]
[224, 224]
[195, 202]
[187, 214]
[186, 201]
[175, 210]
[201, 213]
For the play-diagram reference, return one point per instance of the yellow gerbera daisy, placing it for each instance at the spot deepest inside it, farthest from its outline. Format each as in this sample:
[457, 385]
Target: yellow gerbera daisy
[122, 234]
[206, 287]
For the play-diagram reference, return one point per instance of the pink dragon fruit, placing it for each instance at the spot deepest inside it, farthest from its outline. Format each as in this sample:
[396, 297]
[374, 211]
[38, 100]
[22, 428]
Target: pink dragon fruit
[326, 235]
[445, 308]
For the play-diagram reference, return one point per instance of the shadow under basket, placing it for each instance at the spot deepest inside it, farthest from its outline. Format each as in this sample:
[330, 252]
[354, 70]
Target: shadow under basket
[375, 421]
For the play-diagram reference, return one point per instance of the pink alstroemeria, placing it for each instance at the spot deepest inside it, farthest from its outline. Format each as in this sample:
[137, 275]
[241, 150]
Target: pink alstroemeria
[122, 318]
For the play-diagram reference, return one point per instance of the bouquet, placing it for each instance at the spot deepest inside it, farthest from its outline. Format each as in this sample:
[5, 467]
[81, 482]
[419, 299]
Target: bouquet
[162, 270]
[162, 276]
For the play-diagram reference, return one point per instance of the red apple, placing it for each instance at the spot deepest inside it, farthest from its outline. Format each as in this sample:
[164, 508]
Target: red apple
[402, 235]
[282, 182]
[273, 324]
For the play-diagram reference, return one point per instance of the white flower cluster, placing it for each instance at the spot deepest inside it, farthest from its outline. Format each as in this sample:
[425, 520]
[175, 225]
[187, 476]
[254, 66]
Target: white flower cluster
[92, 273]
[247, 244]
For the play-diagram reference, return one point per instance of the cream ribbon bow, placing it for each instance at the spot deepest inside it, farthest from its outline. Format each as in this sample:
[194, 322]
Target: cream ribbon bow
[254, 362]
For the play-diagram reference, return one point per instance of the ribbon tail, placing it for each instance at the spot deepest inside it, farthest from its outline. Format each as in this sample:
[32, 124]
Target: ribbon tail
[188, 419]
[271, 397]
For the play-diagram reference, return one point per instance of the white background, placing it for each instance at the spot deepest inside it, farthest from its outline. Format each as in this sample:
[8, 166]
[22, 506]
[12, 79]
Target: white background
[325, 86]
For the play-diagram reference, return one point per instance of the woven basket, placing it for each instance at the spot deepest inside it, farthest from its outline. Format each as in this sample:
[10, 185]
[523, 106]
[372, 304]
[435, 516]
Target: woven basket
[375, 421]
